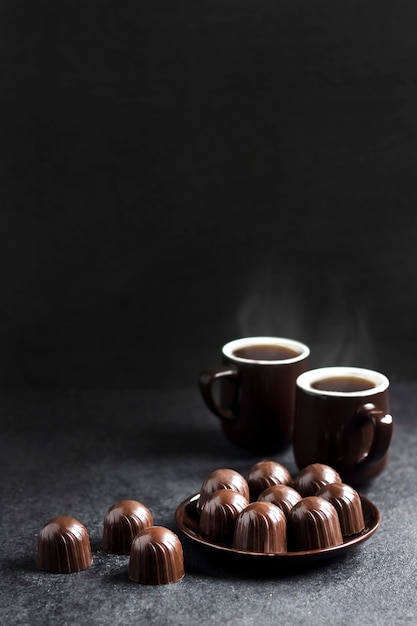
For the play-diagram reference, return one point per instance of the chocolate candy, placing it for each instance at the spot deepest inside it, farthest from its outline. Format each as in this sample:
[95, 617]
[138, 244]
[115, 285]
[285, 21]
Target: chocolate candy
[219, 513]
[265, 474]
[313, 477]
[261, 527]
[64, 546]
[223, 479]
[313, 524]
[156, 557]
[283, 496]
[348, 505]
[122, 522]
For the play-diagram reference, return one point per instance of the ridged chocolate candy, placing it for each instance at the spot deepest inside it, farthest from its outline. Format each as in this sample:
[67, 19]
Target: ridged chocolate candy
[156, 557]
[348, 505]
[313, 524]
[219, 513]
[261, 527]
[64, 546]
[313, 477]
[222, 479]
[122, 522]
[265, 474]
[283, 496]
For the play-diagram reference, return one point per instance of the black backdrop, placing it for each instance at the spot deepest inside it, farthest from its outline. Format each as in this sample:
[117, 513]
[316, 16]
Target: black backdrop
[177, 174]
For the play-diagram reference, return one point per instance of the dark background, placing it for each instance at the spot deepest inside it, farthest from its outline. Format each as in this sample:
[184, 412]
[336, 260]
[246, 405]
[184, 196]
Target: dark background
[177, 174]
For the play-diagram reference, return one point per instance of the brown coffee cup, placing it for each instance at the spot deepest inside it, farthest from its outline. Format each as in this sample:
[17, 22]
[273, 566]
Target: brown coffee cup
[253, 391]
[342, 419]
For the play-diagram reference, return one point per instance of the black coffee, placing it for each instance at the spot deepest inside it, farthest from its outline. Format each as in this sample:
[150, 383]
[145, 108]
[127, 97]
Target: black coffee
[266, 352]
[343, 384]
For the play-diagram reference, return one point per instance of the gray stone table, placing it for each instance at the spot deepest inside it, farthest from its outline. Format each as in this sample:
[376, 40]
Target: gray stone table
[66, 452]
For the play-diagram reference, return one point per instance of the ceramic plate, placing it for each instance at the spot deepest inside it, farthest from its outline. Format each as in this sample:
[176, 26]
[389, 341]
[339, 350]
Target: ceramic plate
[186, 517]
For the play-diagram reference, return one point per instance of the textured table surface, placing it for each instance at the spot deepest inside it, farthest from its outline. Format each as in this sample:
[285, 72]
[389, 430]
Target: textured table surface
[66, 452]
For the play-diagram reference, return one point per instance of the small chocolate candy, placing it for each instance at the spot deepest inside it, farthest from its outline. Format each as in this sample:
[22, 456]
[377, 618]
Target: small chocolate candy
[283, 496]
[261, 527]
[64, 546]
[219, 513]
[222, 479]
[122, 522]
[348, 505]
[313, 477]
[265, 474]
[156, 557]
[313, 524]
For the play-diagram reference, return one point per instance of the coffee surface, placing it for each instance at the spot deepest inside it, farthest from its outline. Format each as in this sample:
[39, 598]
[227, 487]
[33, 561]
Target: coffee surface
[343, 384]
[266, 352]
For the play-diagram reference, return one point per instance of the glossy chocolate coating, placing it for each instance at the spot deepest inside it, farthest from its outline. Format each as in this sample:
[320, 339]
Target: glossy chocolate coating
[156, 557]
[283, 496]
[122, 522]
[261, 527]
[265, 474]
[313, 524]
[64, 546]
[219, 513]
[223, 479]
[348, 505]
[313, 477]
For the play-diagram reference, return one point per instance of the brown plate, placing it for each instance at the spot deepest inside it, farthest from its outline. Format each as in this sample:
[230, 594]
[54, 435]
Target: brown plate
[186, 517]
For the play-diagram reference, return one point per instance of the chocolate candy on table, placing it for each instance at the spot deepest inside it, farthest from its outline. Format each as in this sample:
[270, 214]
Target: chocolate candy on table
[156, 557]
[64, 546]
[122, 522]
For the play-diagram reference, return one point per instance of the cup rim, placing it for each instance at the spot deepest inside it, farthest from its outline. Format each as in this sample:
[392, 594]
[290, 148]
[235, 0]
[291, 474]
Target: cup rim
[305, 381]
[245, 342]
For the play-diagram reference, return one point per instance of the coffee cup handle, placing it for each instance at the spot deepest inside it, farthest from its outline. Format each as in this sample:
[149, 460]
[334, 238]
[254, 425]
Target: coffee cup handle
[383, 427]
[207, 380]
